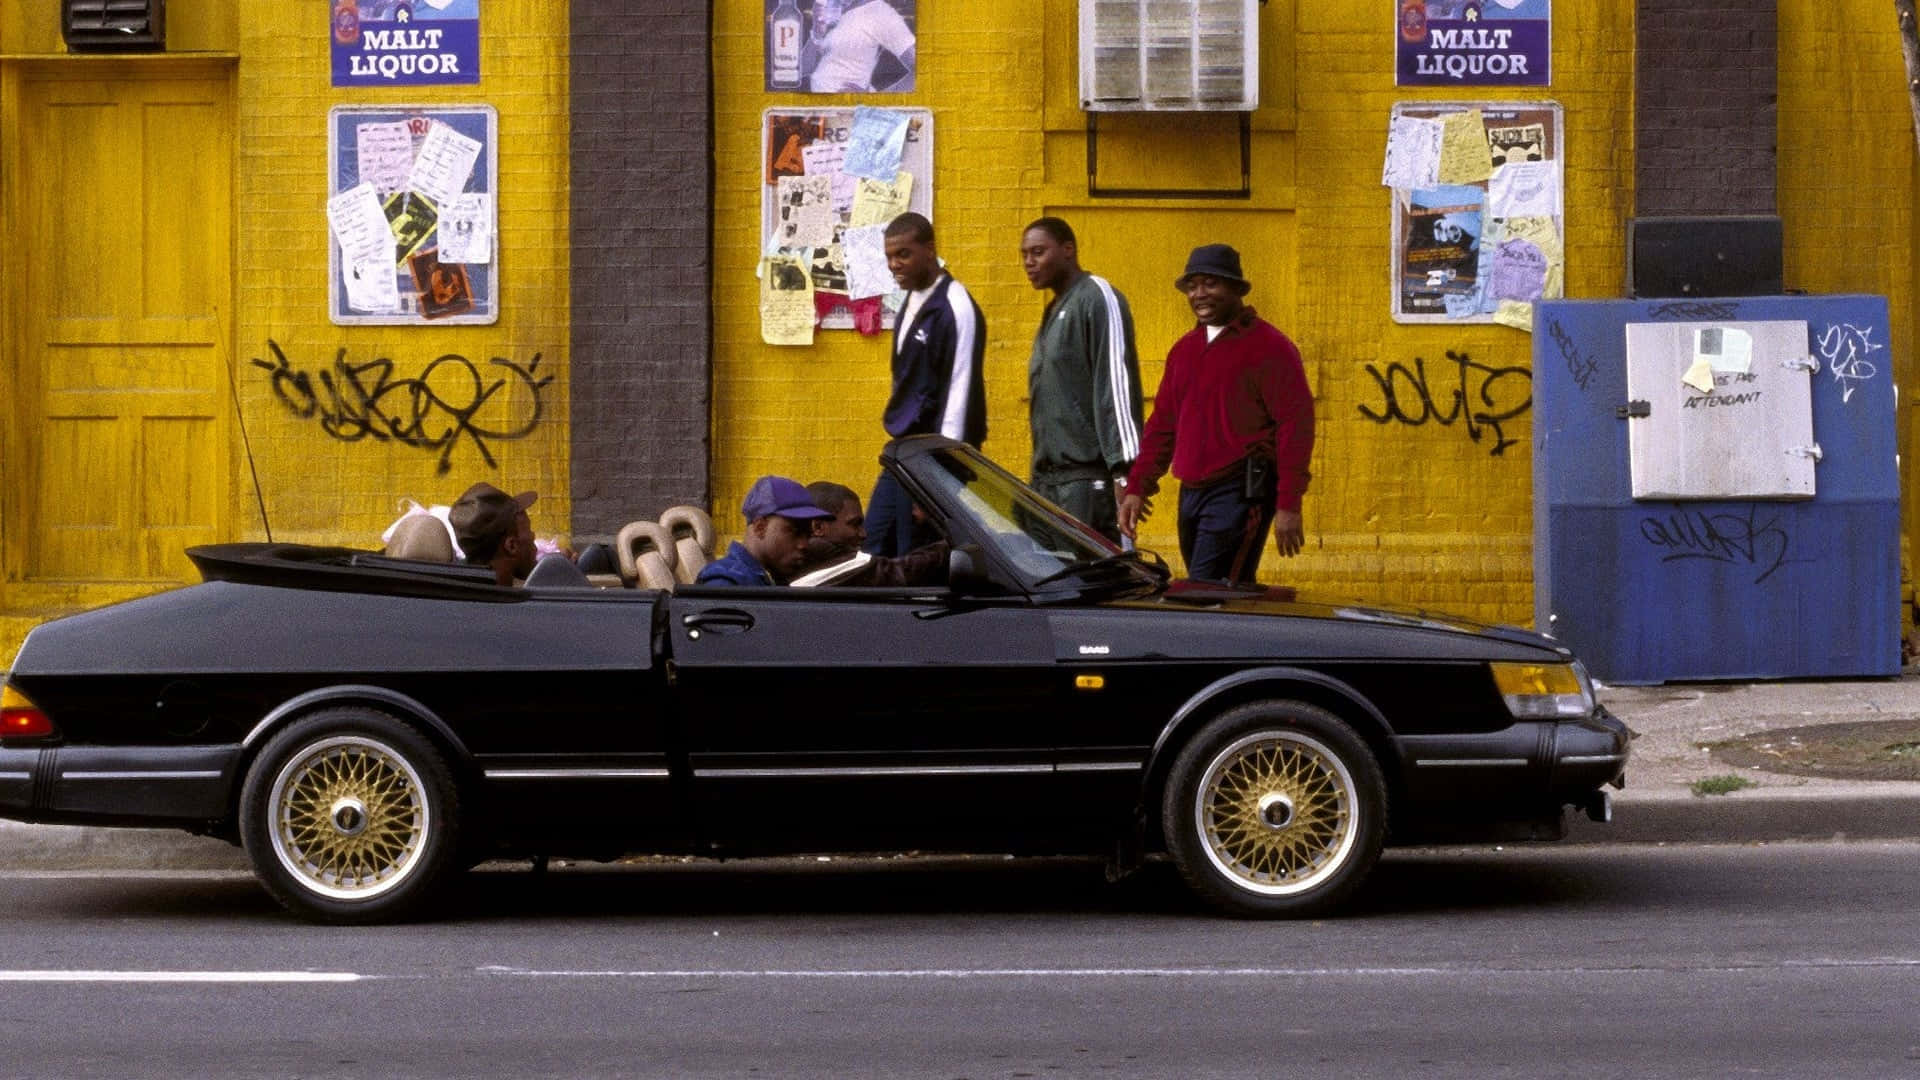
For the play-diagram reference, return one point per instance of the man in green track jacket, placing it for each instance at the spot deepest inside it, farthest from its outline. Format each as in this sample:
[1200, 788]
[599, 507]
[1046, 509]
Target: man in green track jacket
[1083, 381]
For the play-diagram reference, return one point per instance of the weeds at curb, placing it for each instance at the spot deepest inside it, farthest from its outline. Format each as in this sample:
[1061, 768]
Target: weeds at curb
[1724, 784]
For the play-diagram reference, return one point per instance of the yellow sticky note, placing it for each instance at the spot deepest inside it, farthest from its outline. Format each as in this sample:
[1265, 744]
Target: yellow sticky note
[786, 301]
[1515, 313]
[1465, 157]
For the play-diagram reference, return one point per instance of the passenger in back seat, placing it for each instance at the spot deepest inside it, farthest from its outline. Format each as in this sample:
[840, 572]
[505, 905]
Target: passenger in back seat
[495, 531]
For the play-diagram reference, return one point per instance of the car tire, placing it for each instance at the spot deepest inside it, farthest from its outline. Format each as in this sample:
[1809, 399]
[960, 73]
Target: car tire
[1275, 809]
[350, 816]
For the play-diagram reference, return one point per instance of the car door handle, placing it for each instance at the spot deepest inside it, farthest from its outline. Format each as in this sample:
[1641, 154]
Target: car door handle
[718, 621]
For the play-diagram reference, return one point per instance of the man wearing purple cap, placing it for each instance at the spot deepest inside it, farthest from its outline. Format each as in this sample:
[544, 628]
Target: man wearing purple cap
[780, 516]
[1234, 417]
[494, 530]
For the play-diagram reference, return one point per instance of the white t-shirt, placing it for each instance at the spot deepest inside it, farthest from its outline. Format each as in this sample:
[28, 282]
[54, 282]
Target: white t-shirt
[852, 48]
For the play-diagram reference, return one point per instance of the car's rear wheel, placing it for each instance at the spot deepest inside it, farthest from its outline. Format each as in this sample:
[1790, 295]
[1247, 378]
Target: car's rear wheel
[350, 816]
[1275, 808]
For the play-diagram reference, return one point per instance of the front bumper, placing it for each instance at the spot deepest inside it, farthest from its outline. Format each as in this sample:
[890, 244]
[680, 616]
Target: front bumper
[118, 785]
[1561, 762]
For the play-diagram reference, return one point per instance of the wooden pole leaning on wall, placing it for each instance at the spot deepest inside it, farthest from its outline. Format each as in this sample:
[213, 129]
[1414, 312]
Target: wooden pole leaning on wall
[1910, 48]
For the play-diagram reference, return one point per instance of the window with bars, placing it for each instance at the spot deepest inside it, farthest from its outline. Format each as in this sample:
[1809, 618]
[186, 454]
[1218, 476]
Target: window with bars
[1173, 55]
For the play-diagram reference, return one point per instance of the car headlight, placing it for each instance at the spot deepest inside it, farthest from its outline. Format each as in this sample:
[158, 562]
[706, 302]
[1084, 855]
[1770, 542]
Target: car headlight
[1544, 691]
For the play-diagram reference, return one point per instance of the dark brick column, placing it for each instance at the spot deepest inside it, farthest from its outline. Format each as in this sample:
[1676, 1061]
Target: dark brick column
[1704, 101]
[642, 258]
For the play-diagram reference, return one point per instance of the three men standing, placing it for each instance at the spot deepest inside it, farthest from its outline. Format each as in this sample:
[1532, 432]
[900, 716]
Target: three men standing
[1083, 380]
[1234, 417]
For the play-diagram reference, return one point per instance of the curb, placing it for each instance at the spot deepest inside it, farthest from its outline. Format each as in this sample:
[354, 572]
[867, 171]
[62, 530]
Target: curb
[1772, 815]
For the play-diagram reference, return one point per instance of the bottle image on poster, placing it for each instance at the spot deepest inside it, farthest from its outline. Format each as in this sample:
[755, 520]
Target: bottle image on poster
[783, 46]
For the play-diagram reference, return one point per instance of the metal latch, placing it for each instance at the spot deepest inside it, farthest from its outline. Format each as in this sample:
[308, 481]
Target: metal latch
[1633, 410]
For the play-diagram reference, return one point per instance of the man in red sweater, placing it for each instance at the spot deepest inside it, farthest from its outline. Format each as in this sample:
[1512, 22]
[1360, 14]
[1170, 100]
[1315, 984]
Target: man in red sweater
[1235, 419]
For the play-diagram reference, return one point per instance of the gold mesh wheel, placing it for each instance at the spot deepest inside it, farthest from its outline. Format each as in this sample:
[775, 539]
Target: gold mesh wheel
[350, 817]
[1276, 813]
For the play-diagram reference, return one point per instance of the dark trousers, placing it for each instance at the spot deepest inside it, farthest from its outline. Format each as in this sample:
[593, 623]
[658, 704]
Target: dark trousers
[1088, 498]
[1222, 532]
[889, 519]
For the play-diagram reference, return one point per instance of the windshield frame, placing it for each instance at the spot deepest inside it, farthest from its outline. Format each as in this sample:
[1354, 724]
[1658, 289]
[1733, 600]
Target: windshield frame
[1034, 546]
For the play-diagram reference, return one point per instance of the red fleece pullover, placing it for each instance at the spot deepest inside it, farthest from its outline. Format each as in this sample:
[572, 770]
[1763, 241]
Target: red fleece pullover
[1241, 394]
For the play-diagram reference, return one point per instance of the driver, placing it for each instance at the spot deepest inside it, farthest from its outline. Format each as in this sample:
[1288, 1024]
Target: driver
[780, 518]
[833, 555]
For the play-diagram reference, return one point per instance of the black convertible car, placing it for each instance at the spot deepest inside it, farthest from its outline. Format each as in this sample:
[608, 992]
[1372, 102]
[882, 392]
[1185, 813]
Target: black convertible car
[368, 727]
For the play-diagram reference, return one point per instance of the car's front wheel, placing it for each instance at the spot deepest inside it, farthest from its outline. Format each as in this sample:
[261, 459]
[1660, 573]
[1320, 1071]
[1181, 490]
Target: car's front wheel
[1275, 808]
[350, 816]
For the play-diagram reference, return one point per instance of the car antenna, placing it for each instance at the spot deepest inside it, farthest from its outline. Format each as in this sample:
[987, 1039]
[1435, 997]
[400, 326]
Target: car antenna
[240, 415]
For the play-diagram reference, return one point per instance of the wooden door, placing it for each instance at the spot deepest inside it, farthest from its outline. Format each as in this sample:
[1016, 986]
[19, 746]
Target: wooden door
[122, 209]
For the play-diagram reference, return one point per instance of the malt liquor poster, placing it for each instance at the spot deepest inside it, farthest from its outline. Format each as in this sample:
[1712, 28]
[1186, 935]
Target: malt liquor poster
[1474, 42]
[1478, 209]
[412, 214]
[406, 42]
[841, 46]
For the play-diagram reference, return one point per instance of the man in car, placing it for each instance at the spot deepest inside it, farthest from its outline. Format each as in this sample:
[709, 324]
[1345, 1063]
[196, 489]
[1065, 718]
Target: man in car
[834, 556]
[780, 518]
[494, 531]
[1234, 417]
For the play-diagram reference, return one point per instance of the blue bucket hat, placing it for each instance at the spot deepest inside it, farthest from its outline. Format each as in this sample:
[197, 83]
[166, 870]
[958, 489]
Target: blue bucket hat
[777, 496]
[1218, 260]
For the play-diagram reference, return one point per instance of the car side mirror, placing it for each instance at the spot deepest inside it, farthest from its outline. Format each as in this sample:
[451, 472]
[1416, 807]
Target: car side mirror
[963, 573]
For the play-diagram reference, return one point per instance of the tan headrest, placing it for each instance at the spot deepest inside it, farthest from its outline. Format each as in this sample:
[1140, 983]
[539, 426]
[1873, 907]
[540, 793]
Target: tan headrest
[423, 537]
[644, 552]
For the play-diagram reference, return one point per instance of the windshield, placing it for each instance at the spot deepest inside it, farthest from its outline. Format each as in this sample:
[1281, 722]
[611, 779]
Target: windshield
[1039, 539]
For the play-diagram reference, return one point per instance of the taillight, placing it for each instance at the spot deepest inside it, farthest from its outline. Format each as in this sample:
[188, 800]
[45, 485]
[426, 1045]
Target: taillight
[20, 718]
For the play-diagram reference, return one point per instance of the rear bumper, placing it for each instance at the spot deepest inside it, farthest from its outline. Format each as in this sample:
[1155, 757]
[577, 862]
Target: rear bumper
[97, 785]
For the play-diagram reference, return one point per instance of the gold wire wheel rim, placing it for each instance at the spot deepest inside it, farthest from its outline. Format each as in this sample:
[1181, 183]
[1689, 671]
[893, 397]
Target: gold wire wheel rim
[1276, 813]
[350, 817]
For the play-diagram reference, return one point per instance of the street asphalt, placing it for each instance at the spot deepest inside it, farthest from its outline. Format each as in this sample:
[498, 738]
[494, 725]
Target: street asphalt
[1657, 806]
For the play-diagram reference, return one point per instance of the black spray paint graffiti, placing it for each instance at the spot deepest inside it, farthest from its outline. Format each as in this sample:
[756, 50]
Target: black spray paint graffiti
[1727, 537]
[1409, 397]
[1579, 365]
[1844, 348]
[1694, 310]
[447, 402]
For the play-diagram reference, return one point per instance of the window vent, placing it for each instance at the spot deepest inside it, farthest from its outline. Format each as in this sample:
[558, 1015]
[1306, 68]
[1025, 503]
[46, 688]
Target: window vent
[1173, 55]
[98, 25]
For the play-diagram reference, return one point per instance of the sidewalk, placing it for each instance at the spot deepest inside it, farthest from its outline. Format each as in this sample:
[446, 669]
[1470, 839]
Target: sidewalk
[1657, 805]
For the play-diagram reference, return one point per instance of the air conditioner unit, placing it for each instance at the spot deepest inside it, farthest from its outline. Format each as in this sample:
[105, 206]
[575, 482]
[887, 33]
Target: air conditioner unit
[1169, 55]
[108, 25]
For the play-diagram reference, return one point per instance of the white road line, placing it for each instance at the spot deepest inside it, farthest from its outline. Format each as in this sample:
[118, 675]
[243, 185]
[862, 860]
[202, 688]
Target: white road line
[1180, 972]
[55, 976]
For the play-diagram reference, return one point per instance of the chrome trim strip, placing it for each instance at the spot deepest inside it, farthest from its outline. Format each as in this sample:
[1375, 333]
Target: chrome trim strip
[577, 774]
[1101, 766]
[1592, 759]
[16, 776]
[876, 770]
[132, 774]
[1484, 762]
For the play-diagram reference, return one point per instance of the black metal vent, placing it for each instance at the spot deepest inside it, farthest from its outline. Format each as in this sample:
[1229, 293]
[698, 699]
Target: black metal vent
[98, 25]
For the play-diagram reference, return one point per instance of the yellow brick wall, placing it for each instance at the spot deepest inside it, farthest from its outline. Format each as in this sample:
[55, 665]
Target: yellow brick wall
[321, 487]
[1846, 174]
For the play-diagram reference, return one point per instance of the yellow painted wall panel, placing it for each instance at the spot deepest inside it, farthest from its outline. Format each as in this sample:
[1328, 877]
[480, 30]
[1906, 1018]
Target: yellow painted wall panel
[347, 420]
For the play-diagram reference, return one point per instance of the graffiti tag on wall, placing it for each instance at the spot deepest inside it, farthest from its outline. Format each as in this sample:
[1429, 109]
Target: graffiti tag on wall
[1844, 349]
[448, 403]
[1726, 537]
[1483, 398]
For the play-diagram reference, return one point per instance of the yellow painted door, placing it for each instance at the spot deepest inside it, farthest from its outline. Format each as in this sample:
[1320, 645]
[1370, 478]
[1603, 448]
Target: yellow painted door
[124, 210]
